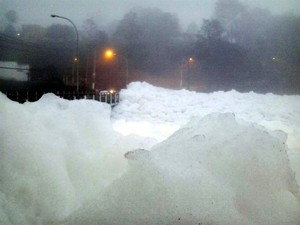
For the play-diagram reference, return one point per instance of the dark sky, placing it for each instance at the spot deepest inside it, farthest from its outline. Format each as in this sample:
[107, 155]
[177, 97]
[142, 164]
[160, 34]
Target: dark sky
[103, 11]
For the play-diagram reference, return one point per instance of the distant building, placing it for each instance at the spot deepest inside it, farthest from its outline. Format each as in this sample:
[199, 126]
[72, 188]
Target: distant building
[13, 71]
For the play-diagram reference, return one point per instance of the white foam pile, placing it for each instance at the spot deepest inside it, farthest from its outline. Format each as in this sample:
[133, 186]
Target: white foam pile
[157, 112]
[232, 159]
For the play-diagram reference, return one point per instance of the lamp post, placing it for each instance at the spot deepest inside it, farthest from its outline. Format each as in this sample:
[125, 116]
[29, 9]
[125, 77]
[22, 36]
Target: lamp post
[108, 54]
[186, 65]
[77, 47]
[125, 59]
[94, 70]
[127, 70]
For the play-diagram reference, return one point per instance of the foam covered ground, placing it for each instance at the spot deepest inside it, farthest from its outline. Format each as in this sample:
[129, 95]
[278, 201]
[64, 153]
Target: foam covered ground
[219, 158]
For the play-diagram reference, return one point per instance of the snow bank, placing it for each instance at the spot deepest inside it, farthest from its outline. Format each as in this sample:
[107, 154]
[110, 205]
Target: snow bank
[215, 170]
[163, 111]
[54, 155]
[62, 162]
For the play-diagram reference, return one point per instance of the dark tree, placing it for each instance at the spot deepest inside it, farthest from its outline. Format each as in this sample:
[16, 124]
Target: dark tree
[59, 33]
[12, 18]
[50, 51]
[212, 30]
[221, 62]
[272, 48]
[228, 12]
[93, 41]
[10, 30]
[146, 36]
[284, 54]
[128, 35]
[92, 36]
[33, 33]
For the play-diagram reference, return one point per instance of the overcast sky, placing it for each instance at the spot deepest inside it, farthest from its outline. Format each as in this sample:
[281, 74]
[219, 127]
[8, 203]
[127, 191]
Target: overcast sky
[38, 11]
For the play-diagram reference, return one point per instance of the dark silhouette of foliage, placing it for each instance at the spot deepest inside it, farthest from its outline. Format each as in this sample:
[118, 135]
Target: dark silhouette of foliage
[146, 36]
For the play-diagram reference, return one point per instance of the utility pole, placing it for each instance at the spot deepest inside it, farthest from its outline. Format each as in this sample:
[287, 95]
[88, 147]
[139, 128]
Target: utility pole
[76, 59]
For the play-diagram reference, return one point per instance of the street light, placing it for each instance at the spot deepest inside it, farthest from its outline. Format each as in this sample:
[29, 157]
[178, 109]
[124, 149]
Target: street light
[185, 65]
[108, 54]
[76, 59]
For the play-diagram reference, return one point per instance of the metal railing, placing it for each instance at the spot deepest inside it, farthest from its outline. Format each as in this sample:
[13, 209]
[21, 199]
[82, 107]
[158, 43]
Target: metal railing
[32, 96]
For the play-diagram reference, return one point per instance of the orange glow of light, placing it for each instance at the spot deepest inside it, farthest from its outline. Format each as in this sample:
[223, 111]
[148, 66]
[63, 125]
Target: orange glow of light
[109, 54]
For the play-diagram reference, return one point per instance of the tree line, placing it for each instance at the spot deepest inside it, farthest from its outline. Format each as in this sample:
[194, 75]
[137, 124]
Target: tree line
[239, 47]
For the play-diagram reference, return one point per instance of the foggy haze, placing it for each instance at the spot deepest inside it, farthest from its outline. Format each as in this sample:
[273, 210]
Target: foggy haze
[199, 45]
[103, 11]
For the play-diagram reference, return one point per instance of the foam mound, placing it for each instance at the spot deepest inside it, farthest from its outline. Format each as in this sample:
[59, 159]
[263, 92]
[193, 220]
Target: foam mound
[215, 170]
[54, 155]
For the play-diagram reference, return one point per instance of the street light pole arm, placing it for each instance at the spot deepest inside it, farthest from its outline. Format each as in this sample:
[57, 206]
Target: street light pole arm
[77, 47]
[75, 28]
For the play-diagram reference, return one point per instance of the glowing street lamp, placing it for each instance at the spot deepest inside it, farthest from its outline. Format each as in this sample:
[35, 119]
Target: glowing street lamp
[109, 54]
[186, 64]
